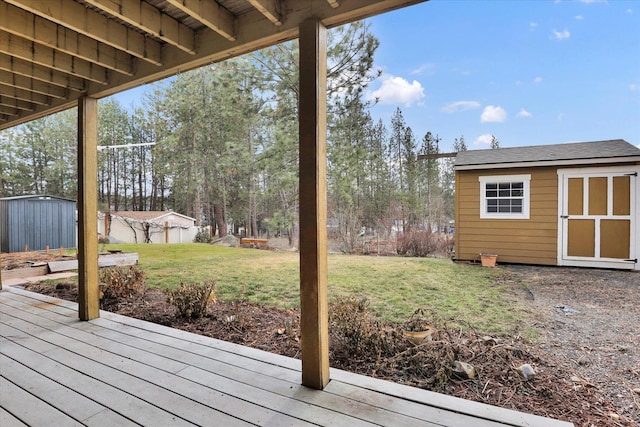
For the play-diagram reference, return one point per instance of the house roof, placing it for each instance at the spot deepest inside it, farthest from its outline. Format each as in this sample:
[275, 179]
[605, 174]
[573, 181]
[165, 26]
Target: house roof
[612, 151]
[148, 216]
[37, 196]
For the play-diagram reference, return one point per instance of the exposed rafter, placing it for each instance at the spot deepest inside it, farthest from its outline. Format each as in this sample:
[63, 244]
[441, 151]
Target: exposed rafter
[16, 103]
[47, 57]
[78, 18]
[272, 9]
[9, 111]
[32, 85]
[151, 20]
[211, 14]
[36, 29]
[37, 72]
[13, 92]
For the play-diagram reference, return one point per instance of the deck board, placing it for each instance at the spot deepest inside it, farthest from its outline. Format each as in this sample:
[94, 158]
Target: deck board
[117, 370]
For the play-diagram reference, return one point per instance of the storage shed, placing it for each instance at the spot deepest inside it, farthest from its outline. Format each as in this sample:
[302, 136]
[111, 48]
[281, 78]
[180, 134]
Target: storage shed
[574, 204]
[36, 222]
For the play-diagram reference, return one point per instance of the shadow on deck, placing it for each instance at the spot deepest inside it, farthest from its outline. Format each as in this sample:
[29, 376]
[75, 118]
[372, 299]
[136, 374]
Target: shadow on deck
[115, 370]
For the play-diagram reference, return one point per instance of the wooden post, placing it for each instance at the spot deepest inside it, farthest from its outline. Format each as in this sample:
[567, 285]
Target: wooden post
[313, 204]
[166, 231]
[88, 293]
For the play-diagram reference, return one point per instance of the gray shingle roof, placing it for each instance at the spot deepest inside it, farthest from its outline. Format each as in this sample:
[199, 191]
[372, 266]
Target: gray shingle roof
[613, 149]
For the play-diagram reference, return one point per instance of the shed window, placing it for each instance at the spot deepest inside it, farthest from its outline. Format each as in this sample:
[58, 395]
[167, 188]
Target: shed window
[504, 197]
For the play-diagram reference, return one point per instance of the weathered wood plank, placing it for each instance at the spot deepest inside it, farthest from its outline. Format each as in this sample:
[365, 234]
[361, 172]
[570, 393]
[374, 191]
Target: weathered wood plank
[136, 399]
[22, 273]
[8, 420]
[68, 401]
[29, 409]
[175, 394]
[239, 386]
[119, 260]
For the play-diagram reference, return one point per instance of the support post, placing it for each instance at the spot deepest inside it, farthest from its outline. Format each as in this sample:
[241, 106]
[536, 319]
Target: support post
[88, 292]
[313, 204]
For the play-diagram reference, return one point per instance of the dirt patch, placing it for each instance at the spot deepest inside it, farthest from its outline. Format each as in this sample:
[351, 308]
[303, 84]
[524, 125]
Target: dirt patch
[17, 260]
[586, 361]
[589, 320]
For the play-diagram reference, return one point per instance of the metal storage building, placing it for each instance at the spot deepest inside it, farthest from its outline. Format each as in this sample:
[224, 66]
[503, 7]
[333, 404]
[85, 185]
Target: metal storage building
[37, 222]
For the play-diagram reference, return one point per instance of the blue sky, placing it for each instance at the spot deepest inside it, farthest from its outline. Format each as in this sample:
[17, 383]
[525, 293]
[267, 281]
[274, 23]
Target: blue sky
[530, 72]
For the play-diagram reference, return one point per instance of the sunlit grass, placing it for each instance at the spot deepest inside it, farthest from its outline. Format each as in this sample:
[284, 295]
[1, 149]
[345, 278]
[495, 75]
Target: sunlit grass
[394, 286]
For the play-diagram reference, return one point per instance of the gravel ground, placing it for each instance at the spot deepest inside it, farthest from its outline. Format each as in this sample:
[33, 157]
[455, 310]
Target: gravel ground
[590, 320]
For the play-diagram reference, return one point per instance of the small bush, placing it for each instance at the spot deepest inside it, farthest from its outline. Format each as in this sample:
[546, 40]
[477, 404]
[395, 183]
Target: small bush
[118, 284]
[202, 236]
[192, 299]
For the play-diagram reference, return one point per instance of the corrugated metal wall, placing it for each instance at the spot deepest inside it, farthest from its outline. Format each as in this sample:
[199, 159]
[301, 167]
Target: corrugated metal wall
[37, 222]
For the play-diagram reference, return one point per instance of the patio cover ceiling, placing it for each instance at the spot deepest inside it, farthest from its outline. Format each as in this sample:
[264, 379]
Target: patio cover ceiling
[55, 51]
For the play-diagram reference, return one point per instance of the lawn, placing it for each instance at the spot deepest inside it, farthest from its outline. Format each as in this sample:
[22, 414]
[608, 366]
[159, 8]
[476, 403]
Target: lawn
[394, 286]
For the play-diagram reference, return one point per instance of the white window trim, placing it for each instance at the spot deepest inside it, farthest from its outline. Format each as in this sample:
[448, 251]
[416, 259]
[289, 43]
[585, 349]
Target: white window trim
[525, 179]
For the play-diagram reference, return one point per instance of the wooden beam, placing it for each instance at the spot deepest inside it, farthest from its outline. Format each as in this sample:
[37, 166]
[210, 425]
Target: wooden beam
[36, 29]
[211, 14]
[436, 156]
[313, 204]
[47, 57]
[10, 91]
[83, 20]
[150, 20]
[16, 103]
[88, 291]
[271, 9]
[8, 111]
[34, 86]
[37, 72]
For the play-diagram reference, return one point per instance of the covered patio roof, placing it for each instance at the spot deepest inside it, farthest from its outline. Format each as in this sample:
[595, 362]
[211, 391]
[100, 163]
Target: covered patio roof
[53, 52]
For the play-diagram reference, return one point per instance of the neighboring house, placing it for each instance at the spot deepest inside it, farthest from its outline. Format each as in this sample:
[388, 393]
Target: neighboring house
[572, 204]
[37, 222]
[147, 227]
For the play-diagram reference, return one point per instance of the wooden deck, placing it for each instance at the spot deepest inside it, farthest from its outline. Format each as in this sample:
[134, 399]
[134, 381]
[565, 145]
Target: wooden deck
[118, 371]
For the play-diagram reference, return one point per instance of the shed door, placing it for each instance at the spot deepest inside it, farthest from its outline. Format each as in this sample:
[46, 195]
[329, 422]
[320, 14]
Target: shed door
[598, 219]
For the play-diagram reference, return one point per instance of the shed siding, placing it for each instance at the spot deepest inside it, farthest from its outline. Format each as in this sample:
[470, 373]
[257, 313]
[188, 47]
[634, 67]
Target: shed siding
[514, 240]
[37, 222]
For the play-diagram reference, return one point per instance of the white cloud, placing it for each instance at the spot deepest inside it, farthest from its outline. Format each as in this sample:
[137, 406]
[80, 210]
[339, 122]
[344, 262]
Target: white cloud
[484, 140]
[457, 106]
[538, 79]
[629, 11]
[523, 113]
[424, 69]
[560, 117]
[396, 90]
[533, 25]
[493, 114]
[593, 1]
[579, 17]
[633, 87]
[561, 35]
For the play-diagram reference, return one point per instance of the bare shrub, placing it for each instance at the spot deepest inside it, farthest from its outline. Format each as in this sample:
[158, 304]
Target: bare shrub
[120, 284]
[192, 299]
[355, 333]
[423, 243]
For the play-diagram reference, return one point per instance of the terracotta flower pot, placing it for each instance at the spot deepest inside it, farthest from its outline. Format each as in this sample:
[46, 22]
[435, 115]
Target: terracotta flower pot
[488, 260]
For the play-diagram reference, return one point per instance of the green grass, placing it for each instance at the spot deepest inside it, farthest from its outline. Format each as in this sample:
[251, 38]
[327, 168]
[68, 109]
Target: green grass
[394, 286]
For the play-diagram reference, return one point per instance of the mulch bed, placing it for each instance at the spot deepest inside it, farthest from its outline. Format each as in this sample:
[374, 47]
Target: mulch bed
[554, 392]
